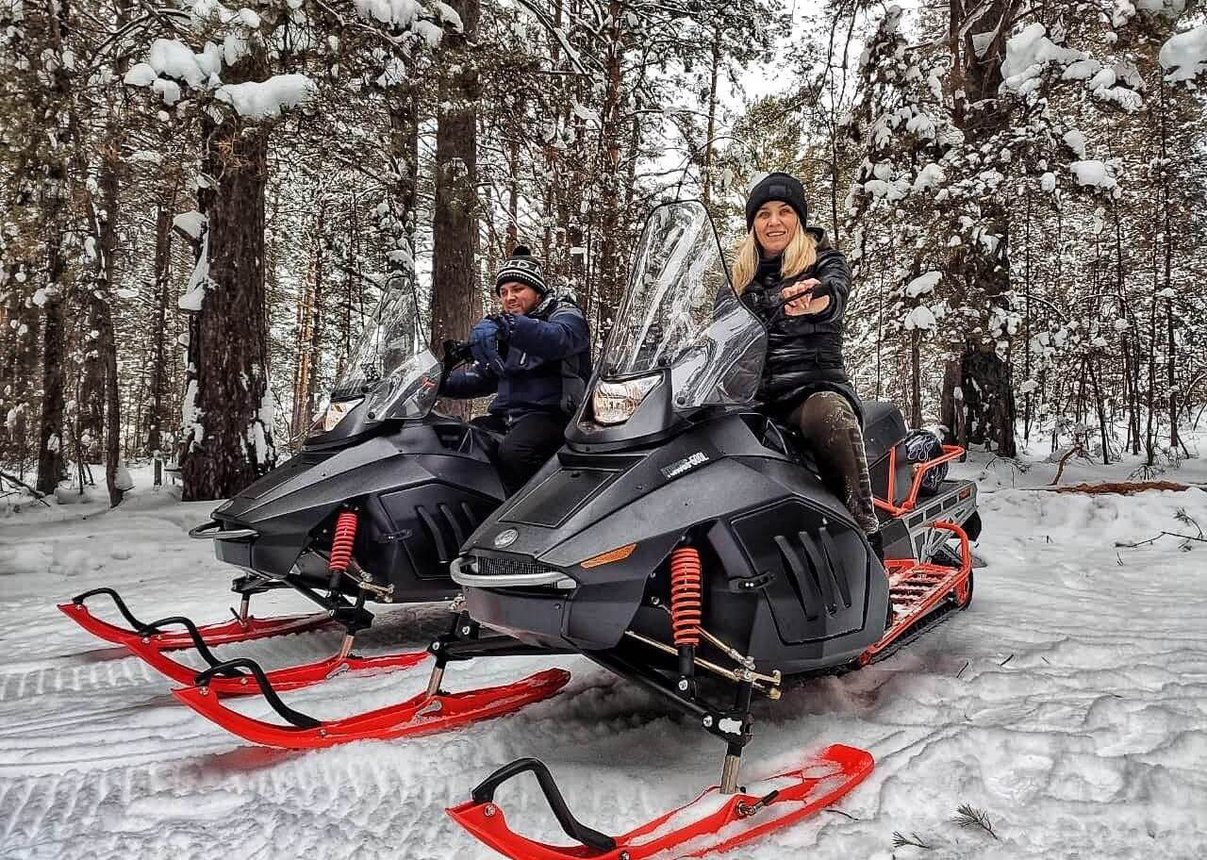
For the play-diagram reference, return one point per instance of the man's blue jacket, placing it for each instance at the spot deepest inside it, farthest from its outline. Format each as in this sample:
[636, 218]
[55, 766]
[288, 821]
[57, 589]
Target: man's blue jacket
[546, 368]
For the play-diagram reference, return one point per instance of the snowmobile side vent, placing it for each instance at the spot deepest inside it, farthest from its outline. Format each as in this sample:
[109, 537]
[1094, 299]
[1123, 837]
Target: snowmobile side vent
[444, 552]
[830, 553]
[450, 517]
[484, 792]
[800, 578]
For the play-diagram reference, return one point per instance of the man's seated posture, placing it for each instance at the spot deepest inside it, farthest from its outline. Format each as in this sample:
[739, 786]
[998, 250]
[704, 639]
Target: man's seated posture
[536, 356]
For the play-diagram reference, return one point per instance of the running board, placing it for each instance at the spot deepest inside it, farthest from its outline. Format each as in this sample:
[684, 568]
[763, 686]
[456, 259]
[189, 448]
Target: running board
[916, 590]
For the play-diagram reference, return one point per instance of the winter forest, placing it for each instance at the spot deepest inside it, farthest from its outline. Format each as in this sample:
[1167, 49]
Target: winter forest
[202, 202]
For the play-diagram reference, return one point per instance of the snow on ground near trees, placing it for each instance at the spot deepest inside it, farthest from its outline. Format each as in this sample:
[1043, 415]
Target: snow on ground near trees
[1069, 703]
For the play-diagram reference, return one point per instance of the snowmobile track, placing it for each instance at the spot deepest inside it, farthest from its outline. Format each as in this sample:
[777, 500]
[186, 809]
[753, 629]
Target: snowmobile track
[69, 675]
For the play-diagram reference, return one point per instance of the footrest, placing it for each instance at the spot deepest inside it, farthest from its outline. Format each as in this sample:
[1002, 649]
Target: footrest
[917, 588]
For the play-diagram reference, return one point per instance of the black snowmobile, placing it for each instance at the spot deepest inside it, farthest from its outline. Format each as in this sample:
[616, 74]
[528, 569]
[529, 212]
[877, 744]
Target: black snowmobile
[684, 541]
[372, 510]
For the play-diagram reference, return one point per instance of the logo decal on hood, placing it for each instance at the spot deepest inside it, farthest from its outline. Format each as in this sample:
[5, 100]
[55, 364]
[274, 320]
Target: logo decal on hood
[674, 470]
[505, 538]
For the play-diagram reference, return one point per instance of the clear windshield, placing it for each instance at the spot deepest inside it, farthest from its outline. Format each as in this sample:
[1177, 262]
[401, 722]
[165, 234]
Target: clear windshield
[681, 312]
[391, 362]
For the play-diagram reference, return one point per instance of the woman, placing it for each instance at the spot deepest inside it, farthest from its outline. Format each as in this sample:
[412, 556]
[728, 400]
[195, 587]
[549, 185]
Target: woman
[798, 284]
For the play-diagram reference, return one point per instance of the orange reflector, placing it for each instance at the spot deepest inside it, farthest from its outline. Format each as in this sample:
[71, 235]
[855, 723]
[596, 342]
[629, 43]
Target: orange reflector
[618, 554]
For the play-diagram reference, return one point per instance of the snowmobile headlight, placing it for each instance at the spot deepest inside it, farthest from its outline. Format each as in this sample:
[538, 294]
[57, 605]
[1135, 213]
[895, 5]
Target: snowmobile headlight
[330, 417]
[615, 402]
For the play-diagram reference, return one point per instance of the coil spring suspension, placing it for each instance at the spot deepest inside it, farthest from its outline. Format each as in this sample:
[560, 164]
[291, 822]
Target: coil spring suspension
[686, 581]
[341, 546]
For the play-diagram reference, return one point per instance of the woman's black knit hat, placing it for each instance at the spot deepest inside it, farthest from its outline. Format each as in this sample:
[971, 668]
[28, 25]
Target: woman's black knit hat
[522, 268]
[777, 186]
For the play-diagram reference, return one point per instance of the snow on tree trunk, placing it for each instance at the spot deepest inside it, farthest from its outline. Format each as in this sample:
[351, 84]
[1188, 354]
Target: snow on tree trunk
[232, 405]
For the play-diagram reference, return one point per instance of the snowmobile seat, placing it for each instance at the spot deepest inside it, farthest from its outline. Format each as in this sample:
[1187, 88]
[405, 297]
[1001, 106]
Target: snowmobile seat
[883, 427]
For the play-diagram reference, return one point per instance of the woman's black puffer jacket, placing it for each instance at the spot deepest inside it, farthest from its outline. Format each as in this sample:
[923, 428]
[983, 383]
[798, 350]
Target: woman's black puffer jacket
[804, 353]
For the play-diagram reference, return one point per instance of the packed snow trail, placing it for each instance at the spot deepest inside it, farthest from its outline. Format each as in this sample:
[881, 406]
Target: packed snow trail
[1069, 703]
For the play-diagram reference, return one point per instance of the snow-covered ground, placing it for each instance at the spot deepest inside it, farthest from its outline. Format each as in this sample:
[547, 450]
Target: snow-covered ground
[1069, 703]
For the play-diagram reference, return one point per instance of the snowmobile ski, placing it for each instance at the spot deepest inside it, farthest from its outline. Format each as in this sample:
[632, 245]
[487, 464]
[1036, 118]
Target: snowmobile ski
[421, 714]
[242, 628]
[288, 678]
[712, 822]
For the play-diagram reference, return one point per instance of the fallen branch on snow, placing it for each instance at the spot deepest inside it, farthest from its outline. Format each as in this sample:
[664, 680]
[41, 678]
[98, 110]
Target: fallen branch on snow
[968, 816]
[1124, 488]
[37, 496]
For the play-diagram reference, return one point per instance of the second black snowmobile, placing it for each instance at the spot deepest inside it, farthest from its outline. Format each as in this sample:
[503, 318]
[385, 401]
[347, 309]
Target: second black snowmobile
[371, 510]
[684, 541]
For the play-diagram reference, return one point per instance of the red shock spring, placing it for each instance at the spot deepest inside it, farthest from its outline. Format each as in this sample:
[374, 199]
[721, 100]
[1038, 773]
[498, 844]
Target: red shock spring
[686, 578]
[341, 543]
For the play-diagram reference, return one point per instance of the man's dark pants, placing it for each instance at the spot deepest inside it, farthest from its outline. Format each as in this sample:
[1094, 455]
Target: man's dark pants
[529, 442]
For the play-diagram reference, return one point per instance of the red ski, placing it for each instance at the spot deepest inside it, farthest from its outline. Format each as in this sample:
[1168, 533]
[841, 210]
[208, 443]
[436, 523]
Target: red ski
[289, 678]
[238, 629]
[421, 714]
[712, 822]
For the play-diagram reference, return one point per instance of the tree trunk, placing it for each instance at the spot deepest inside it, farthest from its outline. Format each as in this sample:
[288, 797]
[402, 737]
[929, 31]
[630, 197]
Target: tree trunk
[610, 265]
[915, 379]
[160, 296]
[50, 426]
[106, 344]
[233, 405]
[42, 24]
[456, 302]
[1170, 341]
[711, 128]
[985, 378]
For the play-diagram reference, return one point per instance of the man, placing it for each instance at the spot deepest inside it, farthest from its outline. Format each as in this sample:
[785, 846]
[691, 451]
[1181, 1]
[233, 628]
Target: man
[536, 356]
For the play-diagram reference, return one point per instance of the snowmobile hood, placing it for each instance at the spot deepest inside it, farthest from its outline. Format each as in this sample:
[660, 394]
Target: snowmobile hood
[319, 479]
[583, 506]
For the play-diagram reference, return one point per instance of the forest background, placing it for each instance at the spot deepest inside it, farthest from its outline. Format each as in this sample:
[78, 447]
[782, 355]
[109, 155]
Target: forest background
[200, 203]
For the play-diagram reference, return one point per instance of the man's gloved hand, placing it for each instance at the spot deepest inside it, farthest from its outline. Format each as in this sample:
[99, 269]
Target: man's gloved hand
[484, 344]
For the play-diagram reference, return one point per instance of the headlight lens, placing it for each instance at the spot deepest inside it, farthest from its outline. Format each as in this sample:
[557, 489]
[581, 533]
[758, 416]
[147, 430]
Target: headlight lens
[615, 402]
[329, 418]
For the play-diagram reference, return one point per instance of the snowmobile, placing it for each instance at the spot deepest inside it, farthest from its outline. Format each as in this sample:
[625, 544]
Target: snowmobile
[372, 509]
[684, 541]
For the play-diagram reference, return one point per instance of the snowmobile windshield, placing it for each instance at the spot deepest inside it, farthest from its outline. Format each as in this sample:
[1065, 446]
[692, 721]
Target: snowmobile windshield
[681, 312]
[391, 363]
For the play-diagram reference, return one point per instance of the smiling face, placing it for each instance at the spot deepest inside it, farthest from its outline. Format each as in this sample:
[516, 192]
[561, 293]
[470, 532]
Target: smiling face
[774, 226]
[518, 298]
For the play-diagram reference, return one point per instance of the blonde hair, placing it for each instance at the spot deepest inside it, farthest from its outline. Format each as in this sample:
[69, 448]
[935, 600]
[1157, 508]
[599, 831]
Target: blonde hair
[800, 254]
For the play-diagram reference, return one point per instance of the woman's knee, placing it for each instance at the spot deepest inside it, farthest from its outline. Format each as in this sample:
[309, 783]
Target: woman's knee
[827, 416]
